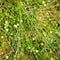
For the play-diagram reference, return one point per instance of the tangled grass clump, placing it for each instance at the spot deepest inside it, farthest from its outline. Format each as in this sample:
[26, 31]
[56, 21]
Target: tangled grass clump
[29, 30]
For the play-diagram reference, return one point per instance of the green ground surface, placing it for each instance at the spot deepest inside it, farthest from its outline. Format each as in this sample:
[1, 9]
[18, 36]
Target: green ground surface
[29, 30]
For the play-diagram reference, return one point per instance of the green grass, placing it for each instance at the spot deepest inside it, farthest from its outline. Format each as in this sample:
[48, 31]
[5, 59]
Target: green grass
[29, 30]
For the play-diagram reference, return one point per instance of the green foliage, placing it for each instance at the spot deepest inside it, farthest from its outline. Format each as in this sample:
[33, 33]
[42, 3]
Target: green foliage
[29, 30]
